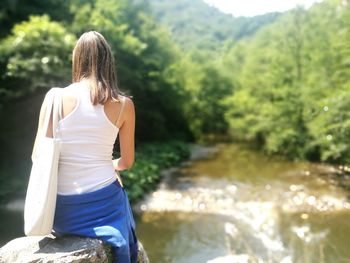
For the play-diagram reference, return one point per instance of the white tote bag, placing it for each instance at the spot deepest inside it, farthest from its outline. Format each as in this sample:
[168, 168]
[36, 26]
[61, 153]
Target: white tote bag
[40, 202]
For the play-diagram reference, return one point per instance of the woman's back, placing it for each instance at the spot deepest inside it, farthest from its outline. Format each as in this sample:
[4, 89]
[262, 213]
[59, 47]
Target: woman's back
[87, 135]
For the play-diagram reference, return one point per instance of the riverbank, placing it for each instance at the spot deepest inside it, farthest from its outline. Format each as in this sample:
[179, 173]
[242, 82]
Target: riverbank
[196, 152]
[150, 160]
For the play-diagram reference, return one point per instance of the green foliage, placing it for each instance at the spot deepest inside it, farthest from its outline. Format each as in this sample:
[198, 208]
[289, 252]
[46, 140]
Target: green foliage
[12, 12]
[290, 73]
[35, 56]
[149, 160]
[206, 83]
[110, 18]
[196, 25]
[330, 128]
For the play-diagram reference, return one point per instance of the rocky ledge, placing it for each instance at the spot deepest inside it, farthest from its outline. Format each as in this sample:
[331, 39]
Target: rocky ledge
[47, 249]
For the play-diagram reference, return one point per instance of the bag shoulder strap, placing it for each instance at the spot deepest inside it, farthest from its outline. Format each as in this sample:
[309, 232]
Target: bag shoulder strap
[57, 110]
[53, 103]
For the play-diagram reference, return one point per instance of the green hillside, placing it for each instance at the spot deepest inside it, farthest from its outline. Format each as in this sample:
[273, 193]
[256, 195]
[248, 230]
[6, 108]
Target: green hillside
[195, 24]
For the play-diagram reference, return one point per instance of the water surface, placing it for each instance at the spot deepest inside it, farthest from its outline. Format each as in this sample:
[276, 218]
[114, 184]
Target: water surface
[242, 205]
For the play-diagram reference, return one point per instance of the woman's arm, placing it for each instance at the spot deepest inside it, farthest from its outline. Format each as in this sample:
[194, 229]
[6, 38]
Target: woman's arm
[126, 138]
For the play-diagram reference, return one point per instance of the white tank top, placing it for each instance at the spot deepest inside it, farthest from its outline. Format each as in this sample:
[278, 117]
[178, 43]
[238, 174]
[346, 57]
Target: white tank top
[87, 137]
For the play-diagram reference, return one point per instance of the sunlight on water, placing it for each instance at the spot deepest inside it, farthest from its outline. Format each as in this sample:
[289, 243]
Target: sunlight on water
[240, 206]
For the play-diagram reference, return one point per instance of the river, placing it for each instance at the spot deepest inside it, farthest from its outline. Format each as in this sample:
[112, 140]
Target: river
[237, 205]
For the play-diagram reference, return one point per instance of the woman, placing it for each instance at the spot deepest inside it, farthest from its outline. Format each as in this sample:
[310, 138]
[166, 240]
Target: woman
[91, 200]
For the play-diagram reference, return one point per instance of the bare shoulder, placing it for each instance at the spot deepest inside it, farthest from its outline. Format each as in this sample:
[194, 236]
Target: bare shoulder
[129, 104]
[129, 110]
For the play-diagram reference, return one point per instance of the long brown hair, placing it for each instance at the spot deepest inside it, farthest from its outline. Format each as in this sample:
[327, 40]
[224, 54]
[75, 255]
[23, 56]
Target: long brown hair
[93, 60]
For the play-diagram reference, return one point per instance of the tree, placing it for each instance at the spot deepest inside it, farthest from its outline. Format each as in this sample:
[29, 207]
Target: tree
[36, 55]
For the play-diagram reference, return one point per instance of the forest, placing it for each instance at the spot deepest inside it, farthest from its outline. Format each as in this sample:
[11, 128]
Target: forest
[278, 81]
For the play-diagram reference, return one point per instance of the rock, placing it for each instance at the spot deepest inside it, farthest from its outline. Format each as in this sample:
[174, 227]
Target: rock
[142, 255]
[47, 249]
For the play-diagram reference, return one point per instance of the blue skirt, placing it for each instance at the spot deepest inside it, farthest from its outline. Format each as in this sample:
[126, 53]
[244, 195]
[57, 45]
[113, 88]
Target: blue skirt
[104, 214]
